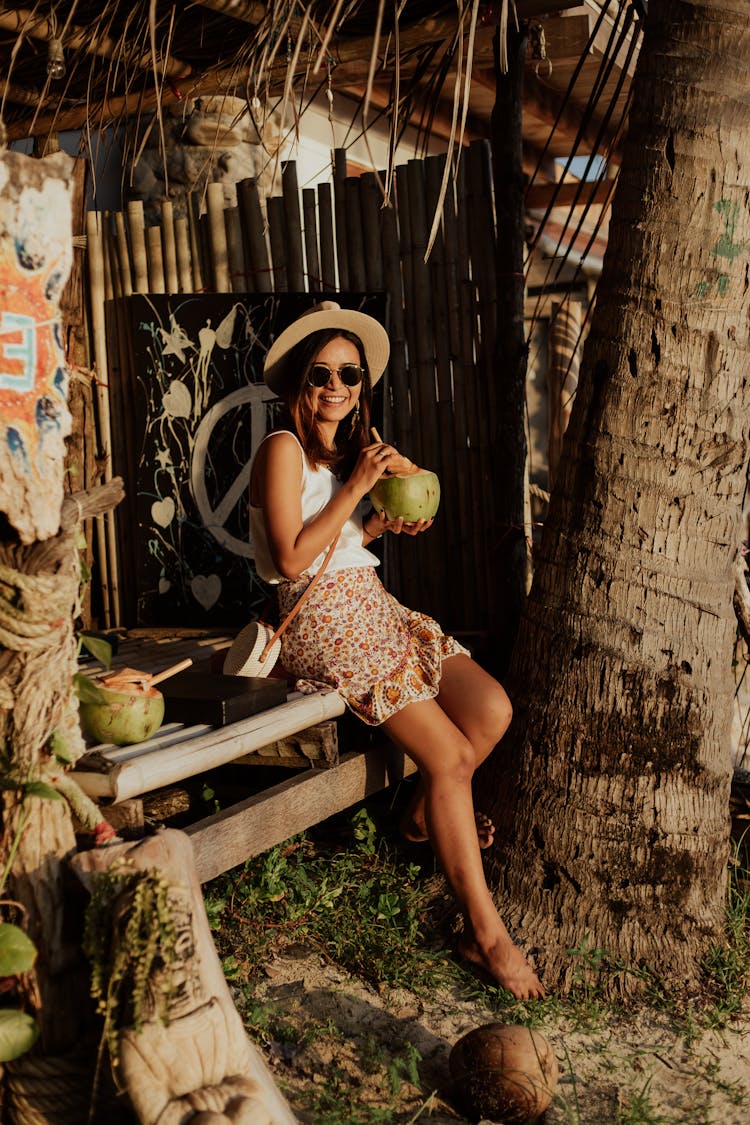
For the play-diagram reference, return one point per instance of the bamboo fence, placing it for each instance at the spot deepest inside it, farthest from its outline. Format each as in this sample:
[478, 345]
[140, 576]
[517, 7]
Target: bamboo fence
[439, 397]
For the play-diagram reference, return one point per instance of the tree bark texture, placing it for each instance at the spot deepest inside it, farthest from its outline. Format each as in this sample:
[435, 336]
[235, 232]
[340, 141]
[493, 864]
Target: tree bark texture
[508, 376]
[622, 676]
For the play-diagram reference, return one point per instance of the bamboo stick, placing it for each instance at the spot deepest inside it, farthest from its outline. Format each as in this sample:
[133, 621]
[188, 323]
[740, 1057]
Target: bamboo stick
[195, 247]
[275, 209]
[136, 227]
[309, 210]
[406, 406]
[372, 221]
[253, 229]
[339, 179]
[218, 238]
[105, 524]
[453, 522]
[475, 415]
[295, 265]
[355, 247]
[155, 259]
[423, 371]
[123, 255]
[171, 278]
[400, 422]
[109, 288]
[237, 271]
[327, 239]
[469, 504]
[182, 247]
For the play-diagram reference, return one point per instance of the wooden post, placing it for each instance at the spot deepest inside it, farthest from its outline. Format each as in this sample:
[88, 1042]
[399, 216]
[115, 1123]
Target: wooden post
[372, 217]
[195, 246]
[355, 251]
[123, 255]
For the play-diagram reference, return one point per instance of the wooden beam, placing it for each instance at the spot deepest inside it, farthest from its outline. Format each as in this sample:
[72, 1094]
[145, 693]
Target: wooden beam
[269, 818]
[24, 22]
[539, 196]
[246, 10]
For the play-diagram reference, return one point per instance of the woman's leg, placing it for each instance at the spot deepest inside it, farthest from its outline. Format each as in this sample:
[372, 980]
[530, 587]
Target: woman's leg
[446, 760]
[480, 708]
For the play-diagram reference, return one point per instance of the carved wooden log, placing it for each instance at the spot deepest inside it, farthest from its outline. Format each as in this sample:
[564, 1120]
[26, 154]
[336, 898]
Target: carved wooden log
[202, 1060]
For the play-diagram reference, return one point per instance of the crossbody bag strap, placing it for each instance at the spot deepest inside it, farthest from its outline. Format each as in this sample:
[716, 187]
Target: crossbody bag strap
[296, 608]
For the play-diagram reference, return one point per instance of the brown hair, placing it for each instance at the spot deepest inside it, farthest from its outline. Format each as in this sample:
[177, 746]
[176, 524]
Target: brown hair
[353, 431]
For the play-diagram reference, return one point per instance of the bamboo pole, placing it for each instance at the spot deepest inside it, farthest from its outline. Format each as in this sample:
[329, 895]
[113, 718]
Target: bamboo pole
[275, 209]
[195, 246]
[355, 247]
[453, 522]
[105, 524]
[371, 212]
[482, 246]
[237, 271]
[475, 413]
[136, 227]
[182, 247]
[217, 231]
[123, 255]
[109, 286]
[155, 257]
[400, 423]
[431, 594]
[171, 277]
[327, 238]
[295, 265]
[339, 179]
[469, 503]
[253, 230]
[309, 210]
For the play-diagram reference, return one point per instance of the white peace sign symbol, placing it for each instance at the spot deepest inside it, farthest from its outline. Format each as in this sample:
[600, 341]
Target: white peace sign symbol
[214, 518]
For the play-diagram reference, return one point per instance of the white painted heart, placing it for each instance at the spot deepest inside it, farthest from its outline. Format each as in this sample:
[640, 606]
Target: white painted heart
[178, 401]
[162, 511]
[164, 585]
[206, 589]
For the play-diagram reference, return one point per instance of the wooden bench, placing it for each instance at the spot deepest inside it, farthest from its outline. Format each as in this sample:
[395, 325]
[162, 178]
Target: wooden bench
[115, 774]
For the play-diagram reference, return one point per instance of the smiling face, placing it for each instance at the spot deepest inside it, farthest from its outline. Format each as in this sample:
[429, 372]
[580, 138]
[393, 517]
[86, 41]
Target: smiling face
[331, 404]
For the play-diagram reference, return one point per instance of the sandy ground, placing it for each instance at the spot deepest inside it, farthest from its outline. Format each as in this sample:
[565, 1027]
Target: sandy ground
[615, 1071]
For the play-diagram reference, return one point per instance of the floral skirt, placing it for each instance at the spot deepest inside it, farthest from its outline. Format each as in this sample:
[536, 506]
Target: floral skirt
[351, 634]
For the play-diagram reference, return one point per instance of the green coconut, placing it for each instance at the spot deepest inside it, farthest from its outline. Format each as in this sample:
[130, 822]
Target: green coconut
[413, 496]
[123, 717]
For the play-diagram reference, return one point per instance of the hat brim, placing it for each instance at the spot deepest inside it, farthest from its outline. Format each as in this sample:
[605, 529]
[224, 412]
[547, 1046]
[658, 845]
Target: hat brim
[373, 336]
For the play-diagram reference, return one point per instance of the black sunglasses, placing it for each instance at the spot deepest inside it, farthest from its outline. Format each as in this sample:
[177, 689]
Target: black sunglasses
[320, 374]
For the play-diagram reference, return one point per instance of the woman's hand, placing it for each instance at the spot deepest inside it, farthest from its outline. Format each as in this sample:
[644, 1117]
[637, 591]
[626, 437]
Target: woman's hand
[379, 522]
[375, 461]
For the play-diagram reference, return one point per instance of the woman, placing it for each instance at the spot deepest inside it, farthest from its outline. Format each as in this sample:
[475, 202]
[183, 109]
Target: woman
[392, 667]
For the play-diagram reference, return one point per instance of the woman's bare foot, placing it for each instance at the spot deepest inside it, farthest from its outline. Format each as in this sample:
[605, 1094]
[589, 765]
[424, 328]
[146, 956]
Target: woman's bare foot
[506, 963]
[413, 828]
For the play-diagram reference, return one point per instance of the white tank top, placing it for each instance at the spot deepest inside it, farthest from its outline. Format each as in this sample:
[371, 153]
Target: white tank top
[318, 487]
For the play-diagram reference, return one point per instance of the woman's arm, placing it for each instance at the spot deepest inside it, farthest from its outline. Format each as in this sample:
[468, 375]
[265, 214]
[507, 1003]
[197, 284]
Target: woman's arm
[277, 488]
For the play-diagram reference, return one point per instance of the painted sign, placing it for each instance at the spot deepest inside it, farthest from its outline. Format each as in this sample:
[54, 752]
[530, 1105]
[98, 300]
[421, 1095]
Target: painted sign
[35, 260]
[201, 410]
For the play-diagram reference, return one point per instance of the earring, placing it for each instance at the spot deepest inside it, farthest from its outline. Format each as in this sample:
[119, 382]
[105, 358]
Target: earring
[355, 420]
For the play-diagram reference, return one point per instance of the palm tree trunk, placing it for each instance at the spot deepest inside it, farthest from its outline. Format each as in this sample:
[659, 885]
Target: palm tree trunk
[622, 676]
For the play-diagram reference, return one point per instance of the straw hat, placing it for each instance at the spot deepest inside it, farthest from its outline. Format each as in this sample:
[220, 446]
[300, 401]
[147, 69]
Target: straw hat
[328, 314]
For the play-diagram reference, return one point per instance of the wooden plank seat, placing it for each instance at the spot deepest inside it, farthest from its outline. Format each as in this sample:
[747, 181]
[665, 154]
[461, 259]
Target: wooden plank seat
[113, 774]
